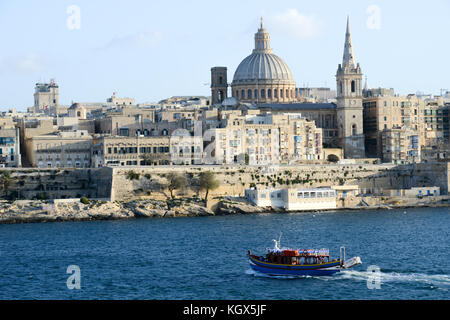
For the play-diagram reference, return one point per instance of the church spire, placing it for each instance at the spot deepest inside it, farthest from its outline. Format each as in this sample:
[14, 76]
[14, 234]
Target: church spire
[366, 85]
[348, 59]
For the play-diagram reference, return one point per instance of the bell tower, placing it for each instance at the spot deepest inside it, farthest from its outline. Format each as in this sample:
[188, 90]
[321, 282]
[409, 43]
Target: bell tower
[349, 102]
[219, 85]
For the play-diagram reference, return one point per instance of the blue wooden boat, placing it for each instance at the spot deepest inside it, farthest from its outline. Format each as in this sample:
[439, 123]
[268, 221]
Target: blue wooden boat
[300, 262]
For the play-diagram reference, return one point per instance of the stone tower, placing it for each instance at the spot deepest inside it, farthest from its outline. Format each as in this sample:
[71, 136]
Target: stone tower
[219, 85]
[349, 102]
[46, 95]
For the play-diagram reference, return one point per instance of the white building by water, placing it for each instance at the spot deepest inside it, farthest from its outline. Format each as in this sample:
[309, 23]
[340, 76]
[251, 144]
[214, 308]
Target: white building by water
[293, 199]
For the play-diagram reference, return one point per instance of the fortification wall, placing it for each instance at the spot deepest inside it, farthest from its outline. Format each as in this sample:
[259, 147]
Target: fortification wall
[235, 179]
[144, 182]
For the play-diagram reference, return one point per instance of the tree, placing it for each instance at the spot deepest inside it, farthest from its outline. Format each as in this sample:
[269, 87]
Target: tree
[176, 181]
[332, 158]
[208, 182]
[6, 182]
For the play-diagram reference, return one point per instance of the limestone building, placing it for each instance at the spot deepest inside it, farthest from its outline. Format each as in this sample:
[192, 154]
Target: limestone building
[46, 95]
[10, 155]
[146, 150]
[400, 145]
[60, 150]
[262, 139]
[219, 85]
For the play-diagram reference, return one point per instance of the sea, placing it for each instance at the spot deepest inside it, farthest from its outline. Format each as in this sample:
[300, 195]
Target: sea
[404, 253]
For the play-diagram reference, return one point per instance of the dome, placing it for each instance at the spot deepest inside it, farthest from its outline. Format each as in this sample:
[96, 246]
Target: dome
[263, 66]
[263, 77]
[75, 105]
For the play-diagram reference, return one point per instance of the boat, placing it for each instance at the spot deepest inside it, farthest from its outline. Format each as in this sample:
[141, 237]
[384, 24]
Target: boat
[300, 262]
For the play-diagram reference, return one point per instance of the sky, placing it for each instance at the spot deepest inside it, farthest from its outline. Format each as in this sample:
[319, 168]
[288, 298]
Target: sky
[151, 50]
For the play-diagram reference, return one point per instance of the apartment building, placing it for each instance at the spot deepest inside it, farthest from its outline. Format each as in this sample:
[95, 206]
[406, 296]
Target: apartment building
[263, 139]
[60, 150]
[401, 145]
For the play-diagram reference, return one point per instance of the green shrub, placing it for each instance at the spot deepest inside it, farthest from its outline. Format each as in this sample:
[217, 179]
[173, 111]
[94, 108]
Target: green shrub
[131, 175]
[84, 200]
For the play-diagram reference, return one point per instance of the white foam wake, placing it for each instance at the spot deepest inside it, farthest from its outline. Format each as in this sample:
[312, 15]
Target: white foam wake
[438, 280]
[441, 281]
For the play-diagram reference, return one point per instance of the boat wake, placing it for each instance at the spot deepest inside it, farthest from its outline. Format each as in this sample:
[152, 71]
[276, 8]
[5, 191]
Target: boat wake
[439, 281]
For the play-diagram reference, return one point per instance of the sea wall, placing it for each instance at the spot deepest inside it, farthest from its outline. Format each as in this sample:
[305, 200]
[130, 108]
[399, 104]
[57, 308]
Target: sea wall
[53, 183]
[142, 182]
[130, 183]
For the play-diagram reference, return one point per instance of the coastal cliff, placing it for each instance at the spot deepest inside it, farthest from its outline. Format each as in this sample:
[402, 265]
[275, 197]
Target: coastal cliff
[28, 211]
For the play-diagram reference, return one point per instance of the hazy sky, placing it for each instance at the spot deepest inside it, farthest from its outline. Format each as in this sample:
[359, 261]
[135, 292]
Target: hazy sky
[151, 50]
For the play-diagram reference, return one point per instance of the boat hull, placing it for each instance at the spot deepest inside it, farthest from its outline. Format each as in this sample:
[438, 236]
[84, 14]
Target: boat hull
[325, 269]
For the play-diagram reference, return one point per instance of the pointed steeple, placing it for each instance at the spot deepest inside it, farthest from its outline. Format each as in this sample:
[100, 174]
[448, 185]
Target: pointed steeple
[366, 85]
[348, 59]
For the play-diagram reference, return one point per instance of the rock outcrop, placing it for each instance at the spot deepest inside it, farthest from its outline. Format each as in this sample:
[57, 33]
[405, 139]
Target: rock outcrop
[41, 211]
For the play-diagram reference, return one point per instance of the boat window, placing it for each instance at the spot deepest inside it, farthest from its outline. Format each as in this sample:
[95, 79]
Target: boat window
[300, 195]
[306, 194]
[325, 194]
[319, 194]
[313, 194]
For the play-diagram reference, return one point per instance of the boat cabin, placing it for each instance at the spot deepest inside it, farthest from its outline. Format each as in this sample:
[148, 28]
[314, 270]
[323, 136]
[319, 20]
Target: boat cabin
[298, 257]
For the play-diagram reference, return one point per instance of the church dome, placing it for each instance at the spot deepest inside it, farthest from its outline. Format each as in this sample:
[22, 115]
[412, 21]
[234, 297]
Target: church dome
[263, 77]
[263, 66]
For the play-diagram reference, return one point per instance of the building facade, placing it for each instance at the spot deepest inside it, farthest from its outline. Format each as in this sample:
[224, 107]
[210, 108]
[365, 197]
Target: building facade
[46, 95]
[293, 198]
[400, 145]
[263, 139]
[60, 150]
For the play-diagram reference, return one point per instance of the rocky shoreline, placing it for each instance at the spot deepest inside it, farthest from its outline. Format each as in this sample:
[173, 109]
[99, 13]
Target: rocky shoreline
[31, 211]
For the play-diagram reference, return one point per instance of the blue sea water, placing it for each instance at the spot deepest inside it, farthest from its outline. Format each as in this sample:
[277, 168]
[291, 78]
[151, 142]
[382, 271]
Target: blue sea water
[206, 257]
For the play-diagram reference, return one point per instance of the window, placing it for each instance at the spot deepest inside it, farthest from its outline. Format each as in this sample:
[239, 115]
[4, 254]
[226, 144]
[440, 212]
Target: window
[353, 86]
[263, 94]
[269, 93]
[123, 132]
[249, 94]
[354, 130]
[242, 94]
